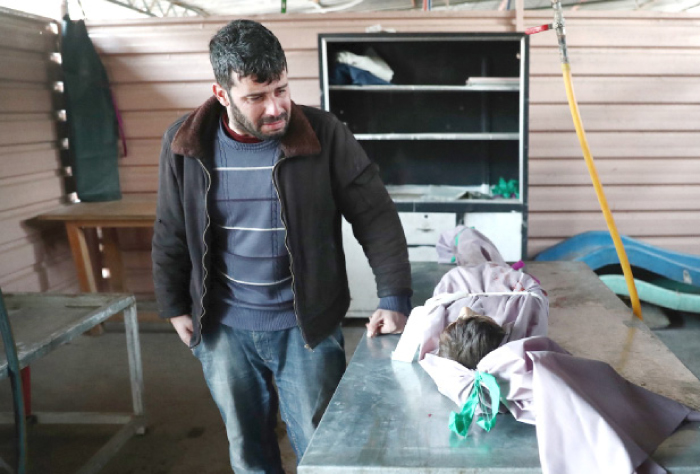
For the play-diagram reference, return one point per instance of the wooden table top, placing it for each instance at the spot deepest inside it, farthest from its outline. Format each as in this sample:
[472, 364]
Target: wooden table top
[129, 208]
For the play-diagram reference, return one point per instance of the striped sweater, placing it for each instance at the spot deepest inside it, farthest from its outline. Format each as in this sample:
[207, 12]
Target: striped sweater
[252, 284]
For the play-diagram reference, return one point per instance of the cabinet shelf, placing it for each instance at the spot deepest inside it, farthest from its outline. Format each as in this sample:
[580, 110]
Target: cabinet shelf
[462, 206]
[491, 87]
[455, 115]
[437, 136]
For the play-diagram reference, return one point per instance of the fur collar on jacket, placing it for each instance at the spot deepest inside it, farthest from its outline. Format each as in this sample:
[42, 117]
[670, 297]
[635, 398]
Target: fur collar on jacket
[195, 134]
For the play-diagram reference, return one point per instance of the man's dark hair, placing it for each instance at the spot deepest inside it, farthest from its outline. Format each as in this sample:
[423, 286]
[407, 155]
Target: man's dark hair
[468, 340]
[248, 49]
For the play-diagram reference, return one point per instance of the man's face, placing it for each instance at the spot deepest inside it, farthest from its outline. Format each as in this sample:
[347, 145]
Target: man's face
[259, 110]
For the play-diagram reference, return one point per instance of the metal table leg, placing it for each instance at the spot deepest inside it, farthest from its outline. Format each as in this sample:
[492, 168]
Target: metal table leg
[137, 424]
[135, 366]
[16, 382]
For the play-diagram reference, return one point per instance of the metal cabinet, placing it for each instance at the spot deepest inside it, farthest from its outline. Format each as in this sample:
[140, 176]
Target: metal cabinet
[448, 126]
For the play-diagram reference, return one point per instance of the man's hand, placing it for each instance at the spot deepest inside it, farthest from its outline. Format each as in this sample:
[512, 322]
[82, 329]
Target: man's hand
[183, 326]
[384, 321]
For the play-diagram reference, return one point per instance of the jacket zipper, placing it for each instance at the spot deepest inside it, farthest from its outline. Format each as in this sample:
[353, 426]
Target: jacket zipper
[205, 272]
[286, 245]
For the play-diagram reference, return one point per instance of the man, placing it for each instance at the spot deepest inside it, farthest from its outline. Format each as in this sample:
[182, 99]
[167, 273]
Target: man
[247, 250]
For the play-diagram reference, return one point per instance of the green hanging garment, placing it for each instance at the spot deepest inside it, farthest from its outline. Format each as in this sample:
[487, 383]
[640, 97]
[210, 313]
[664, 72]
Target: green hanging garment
[92, 122]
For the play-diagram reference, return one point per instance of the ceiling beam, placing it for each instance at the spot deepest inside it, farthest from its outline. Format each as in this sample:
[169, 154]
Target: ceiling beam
[161, 8]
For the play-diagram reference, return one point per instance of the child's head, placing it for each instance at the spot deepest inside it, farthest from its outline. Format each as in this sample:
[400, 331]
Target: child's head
[470, 338]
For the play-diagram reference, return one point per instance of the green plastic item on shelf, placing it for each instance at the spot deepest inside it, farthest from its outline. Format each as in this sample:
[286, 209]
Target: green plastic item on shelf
[507, 189]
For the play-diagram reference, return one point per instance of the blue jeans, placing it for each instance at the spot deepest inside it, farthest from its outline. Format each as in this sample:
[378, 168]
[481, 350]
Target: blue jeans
[239, 367]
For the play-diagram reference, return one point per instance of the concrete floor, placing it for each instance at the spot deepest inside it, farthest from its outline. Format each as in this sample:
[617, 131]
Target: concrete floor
[185, 434]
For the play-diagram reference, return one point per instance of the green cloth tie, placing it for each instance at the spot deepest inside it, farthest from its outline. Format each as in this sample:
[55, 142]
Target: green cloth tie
[460, 422]
[454, 257]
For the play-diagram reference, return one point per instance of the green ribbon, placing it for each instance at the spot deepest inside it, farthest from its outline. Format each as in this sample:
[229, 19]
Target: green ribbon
[507, 189]
[454, 257]
[460, 422]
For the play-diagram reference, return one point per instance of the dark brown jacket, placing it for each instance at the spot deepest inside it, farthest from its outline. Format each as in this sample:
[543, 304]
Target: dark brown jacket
[322, 173]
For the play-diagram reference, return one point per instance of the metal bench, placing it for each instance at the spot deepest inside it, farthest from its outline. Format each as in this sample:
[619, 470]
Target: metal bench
[33, 325]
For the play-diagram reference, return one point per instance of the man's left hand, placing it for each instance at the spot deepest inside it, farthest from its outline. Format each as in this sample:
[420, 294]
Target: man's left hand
[384, 321]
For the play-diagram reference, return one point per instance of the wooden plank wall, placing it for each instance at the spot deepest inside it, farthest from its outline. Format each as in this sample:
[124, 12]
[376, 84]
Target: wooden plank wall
[32, 257]
[637, 76]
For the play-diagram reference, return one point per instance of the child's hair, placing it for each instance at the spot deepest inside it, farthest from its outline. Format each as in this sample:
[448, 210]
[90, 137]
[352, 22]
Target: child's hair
[470, 338]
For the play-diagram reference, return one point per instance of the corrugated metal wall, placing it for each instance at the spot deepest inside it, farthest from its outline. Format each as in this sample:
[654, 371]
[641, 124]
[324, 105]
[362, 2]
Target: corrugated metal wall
[637, 77]
[32, 257]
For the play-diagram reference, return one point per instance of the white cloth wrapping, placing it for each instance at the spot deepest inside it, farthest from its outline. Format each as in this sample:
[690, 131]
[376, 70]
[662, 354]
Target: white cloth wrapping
[512, 298]
[588, 418]
[370, 62]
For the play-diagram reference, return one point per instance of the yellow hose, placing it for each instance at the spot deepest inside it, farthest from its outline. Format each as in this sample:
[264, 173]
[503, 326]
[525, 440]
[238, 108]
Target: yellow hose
[622, 255]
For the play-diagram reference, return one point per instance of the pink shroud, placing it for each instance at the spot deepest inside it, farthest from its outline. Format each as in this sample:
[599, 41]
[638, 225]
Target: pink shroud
[512, 298]
[465, 246]
[588, 418]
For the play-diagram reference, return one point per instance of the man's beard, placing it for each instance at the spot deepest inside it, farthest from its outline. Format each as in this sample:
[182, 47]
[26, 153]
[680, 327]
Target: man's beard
[243, 123]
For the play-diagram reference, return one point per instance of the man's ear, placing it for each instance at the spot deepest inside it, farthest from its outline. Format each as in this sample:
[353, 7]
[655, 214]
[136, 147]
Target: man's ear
[221, 94]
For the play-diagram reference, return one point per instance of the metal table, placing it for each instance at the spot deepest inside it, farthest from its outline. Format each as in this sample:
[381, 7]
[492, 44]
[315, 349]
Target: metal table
[41, 322]
[388, 416]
